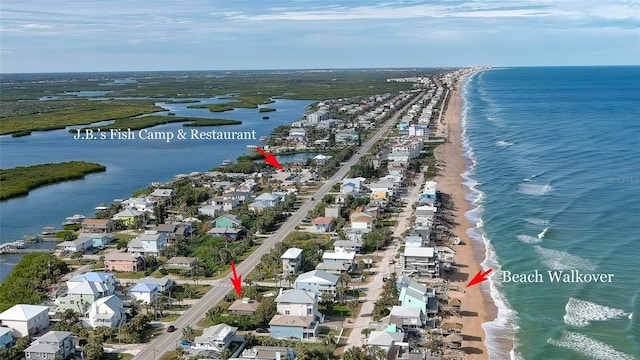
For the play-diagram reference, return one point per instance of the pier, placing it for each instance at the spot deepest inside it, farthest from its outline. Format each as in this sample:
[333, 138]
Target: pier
[17, 247]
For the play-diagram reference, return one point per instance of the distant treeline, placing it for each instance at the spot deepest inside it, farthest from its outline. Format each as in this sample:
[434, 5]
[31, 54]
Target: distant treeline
[153, 120]
[18, 181]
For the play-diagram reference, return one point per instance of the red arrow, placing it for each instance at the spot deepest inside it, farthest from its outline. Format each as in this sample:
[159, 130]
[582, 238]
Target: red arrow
[236, 280]
[480, 277]
[270, 159]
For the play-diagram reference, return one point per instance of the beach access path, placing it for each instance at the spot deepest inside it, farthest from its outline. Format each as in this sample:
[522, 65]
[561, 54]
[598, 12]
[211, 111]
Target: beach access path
[476, 308]
[167, 342]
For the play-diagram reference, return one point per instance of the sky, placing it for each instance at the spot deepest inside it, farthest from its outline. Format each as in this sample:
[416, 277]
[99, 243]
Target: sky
[134, 35]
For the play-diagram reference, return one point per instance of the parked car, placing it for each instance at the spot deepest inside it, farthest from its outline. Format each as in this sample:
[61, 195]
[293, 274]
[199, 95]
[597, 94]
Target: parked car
[261, 331]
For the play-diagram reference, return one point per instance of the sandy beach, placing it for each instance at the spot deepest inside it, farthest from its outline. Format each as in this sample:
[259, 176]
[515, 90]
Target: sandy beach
[476, 308]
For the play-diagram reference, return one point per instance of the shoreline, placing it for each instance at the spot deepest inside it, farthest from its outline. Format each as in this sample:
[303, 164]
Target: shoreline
[478, 306]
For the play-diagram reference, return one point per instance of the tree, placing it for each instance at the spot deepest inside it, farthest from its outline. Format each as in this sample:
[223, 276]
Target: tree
[353, 307]
[187, 332]
[77, 256]
[93, 351]
[327, 301]
[265, 311]
[225, 354]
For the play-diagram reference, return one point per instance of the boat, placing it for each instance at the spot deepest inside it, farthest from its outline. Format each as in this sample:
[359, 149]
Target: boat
[171, 113]
[226, 162]
[265, 118]
[263, 139]
[72, 220]
[252, 147]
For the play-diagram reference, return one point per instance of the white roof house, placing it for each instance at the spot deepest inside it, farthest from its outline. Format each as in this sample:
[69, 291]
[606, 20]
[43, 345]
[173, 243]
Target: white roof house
[25, 320]
[385, 339]
[107, 311]
[217, 337]
[291, 253]
[147, 293]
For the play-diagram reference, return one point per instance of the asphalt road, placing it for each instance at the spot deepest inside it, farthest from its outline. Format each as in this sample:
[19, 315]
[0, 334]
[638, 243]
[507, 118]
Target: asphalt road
[169, 341]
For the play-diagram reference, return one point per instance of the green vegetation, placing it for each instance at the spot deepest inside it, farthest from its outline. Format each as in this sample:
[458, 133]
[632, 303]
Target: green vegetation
[266, 109]
[27, 283]
[153, 120]
[244, 166]
[18, 181]
[21, 118]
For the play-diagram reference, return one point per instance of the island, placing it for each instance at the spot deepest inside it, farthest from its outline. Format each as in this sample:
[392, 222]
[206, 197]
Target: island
[19, 180]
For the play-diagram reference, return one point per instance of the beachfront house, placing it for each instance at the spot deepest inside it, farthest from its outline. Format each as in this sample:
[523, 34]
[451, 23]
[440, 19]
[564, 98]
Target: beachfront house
[291, 260]
[51, 345]
[25, 320]
[422, 262]
[216, 338]
[385, 340]
[412, 317]
[107, 311]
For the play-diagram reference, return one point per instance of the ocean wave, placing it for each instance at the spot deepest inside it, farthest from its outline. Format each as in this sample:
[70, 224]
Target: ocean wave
[535, 189]
[588, 347]
[528, 239]
[561, 260]
[504, 326]
[542, 233]
[580, 313]
[536, 221]
[504, 143]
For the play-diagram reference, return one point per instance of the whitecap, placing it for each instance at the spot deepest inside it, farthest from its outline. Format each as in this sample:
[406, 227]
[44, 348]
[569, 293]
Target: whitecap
[580, 313]
[588, 347]
[504, 143]
[528, 239]
[561, 260]
[543, 233]
[536, 221]
[535, 189]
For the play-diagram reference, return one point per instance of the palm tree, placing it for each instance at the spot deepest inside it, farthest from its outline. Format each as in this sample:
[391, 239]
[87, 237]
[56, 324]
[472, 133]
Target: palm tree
[187, 332]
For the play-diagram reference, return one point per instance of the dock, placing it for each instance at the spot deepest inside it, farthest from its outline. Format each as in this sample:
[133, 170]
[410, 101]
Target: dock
[17, 247]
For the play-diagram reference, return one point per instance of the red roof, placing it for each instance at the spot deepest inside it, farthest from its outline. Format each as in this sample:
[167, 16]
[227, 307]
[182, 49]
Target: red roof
[322, 220]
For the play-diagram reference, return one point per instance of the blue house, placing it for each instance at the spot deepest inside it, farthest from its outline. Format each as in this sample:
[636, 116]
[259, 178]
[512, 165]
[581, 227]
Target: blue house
[228, 221]
[416, 295]
[5, 337]
[288, 326]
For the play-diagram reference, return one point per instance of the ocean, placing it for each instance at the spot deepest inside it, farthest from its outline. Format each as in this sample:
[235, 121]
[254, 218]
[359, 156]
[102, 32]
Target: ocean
[131, 165]
[553, 168]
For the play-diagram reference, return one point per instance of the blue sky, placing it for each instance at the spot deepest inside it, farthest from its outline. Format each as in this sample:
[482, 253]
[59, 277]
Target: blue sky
[117, 35]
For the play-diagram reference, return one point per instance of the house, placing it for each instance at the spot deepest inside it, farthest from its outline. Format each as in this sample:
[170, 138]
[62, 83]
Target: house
[289, 326]
[79, 297]
[51, 345]
[361, 220]
[298, 303]
[347, 136]
[97, 226]
[258, 207]
[25, 320]
[228, 221]
[104, 281]
[174, 231]
[164, 284]
[145, 293]
[351, 186]
[217, 338]
[240, 196]
[107, 311]
[141, 204]
[343, 258]
[297, 135]
[129, 217]
[244, 307]
[318, 116]
[150, 243]
[414, 294]
[332, 211]
[226, 204]
[412, 317]
[268, 199]
[291, 260]
[80, 244]
[99, 240]
[421, 261]
[162, 195]
[211, 210]
[321, 159]
[231, 233]
[347, 246]
[125, 262]
[267, 353]
[334, 268]
[414, 241]
[322, 224]
[181, 263]
[317, 281]
[6, 340]
[385, 340]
